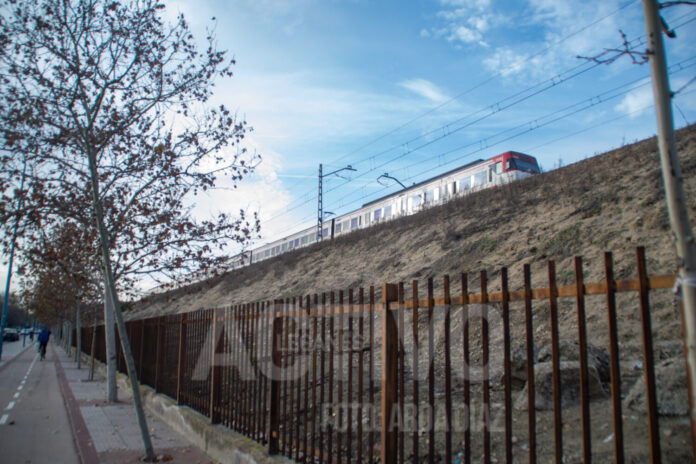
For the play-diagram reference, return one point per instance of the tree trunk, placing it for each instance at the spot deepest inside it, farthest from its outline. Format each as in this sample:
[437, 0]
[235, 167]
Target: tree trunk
[93, 348]
[111, 355]
[110, 289]
[78, 328]
[70, 337]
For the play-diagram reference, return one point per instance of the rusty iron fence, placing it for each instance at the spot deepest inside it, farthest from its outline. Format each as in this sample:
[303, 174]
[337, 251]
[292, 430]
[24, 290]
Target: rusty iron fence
[398, 374]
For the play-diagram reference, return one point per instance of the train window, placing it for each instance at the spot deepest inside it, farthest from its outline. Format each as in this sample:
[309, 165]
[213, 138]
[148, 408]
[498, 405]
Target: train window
[416, 201]
[354, 223]
[522, 165]
[367, 219]
[378, 214]
[277, 249]
[304, 240]
[429, 196]
[338, 228]
[325, 233]
[387, 212]
[284, 247]
[266, 253]
[479, 178]
[464, 184]
[498, 167]
[346, 227]
[297, 242]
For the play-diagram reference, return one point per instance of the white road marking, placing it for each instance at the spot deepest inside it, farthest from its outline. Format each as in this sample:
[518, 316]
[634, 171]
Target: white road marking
[16, 395]
[3, 419]
[10, 406]
[20, 387]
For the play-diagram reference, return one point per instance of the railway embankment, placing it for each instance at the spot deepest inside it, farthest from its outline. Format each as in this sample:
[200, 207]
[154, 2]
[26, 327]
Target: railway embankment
[612, 201]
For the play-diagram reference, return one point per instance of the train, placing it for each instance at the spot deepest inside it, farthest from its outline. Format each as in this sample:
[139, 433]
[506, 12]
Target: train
[477, 175]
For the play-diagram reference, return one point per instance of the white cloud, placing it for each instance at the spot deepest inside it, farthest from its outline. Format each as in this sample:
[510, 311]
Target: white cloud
[507, 62]
[637, 102]
[464, 34]
[465, 22]
[425, 89]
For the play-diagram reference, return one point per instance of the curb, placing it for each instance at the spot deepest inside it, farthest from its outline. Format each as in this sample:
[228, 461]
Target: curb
[85, 448]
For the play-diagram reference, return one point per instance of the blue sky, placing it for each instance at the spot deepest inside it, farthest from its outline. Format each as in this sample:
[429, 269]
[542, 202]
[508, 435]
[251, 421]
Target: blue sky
[414, 88]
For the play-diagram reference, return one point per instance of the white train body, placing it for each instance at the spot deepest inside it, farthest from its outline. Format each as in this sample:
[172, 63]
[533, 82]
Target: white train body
[481, 174]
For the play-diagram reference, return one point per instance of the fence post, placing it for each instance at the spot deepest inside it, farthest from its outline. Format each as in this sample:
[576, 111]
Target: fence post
[390, 353]
[180, 358]
[158, 352]
[214, 370]
[142, 349]
[274, 408]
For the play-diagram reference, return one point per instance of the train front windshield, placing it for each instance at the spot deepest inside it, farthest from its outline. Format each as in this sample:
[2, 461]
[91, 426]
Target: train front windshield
[522, 165]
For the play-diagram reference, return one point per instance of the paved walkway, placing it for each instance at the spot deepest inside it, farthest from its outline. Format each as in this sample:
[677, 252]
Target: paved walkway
[12, 349]
[108, 433]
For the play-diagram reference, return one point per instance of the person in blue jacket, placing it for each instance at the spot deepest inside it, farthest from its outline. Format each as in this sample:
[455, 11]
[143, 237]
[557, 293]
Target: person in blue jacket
[43, 341]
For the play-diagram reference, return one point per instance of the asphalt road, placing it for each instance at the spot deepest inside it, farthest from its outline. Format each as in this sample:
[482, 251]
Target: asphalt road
[34, 425]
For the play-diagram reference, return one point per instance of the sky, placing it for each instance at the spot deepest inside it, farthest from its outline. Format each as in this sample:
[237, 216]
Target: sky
[416, 88]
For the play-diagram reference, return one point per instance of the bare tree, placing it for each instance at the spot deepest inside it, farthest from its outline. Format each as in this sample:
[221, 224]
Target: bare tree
[107, 104]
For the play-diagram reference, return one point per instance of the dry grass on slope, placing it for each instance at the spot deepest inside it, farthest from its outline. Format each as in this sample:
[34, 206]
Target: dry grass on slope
[612, 201]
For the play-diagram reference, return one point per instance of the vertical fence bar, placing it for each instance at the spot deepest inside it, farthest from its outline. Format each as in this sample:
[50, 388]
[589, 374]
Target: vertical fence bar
[214, 369]
[529, 334]
[276, 369]
[158, 353]
[314, 378]
[485, 369]
[349, 399]
[332, 344]
[465, 370]
[584, 381]
[505, 306]
[285, 374]
[614, 358]
[256, 345]
[431, 374]
[339, 422]
[448, 374]
[361, 366]
[180, 361]
[401, 370]
[244, 370]
[414, 329]
[305, 347]
[648, 358]
[251, 374]
[371, 441]
[142, 349]
[236, 377]
[323, 415]
[555, 364]
[390, 347]
[298, 376]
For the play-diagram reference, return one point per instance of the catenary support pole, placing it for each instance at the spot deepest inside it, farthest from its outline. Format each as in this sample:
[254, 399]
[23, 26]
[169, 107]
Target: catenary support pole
[676, 199]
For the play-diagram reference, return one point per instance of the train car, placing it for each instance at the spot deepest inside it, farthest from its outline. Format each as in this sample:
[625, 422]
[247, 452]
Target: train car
[480, 174]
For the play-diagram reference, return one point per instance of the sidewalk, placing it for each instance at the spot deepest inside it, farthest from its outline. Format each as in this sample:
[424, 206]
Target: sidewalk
[12, 349]
[108, 433]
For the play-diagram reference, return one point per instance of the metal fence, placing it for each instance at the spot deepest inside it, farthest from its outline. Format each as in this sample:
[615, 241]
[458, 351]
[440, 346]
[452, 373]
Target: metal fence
[398, 374]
